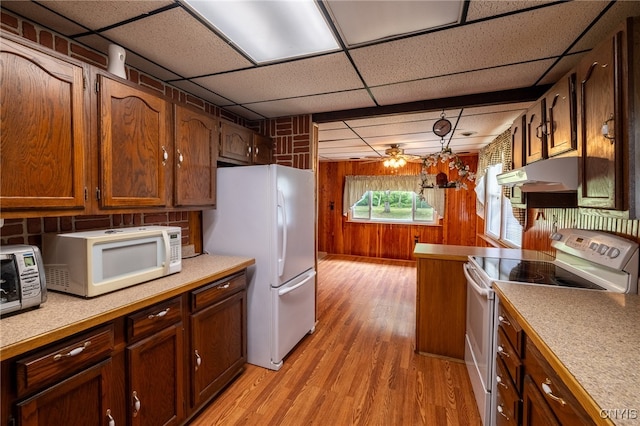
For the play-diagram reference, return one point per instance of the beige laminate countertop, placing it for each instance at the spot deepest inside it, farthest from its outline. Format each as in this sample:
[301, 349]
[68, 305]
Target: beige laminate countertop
[591, 338]
[461, 253]
[63, 315]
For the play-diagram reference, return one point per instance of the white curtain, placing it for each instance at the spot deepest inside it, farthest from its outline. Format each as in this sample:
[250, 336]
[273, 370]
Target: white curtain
[356, 186]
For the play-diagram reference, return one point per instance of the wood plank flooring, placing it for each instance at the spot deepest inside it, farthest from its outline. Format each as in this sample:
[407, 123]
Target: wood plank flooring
[359, 366]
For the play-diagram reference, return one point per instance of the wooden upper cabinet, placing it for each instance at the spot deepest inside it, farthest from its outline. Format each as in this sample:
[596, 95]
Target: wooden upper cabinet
[601, 168]
[262, 149]
[561, 123]
[535, 139]
[518, 143]
[44, 132]
[134, 146]
[196, 155]
[235, 143]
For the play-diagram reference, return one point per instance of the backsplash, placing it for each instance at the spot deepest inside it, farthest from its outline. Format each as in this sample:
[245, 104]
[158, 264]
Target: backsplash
[29, 231]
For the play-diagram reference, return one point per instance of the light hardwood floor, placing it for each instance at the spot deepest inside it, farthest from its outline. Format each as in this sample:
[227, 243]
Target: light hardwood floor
[359, 367]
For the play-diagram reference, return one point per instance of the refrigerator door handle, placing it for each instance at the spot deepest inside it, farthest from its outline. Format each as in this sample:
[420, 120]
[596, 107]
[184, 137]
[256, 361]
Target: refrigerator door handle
[284, 291]
[283, 255]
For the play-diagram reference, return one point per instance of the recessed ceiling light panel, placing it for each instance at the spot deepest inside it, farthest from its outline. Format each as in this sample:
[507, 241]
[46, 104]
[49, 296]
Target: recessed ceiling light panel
[269, 30]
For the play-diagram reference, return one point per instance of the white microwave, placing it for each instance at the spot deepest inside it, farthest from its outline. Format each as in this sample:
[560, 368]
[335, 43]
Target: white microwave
[91, 263]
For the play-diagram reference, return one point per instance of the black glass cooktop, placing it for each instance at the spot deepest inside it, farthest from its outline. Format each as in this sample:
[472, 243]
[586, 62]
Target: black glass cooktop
[532, 272]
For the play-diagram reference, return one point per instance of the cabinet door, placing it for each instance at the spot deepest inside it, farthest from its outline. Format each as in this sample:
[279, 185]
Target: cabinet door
[262, 152]
[601, 168]
[561, 124]
[196, 151]
[235, 143]
[155, 389]
[518, 143]
[44, 132]
[536, 411]
[536, 141]
[134, 146]
[219, 346]
[82, 399]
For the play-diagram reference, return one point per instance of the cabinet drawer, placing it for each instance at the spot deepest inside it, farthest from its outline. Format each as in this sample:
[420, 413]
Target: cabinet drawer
[154, 318]
[512, 362]
[508, 400]
[51, 365]
[218, 290]
[559, 398]
[512, 329]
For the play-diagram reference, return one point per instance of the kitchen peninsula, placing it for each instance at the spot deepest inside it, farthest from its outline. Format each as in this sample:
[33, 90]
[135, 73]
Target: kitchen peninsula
[441, 296]
[191, 326]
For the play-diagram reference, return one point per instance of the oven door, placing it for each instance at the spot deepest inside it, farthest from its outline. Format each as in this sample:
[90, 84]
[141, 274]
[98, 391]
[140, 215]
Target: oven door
[479, 339]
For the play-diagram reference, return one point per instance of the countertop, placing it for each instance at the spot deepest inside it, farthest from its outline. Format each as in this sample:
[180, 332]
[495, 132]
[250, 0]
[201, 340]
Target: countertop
[63, 315]
[461, 253]
[591, 338]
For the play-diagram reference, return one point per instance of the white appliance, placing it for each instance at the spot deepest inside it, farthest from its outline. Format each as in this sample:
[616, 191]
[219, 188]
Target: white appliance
[268, 213]
[91, 263]
[587, 260]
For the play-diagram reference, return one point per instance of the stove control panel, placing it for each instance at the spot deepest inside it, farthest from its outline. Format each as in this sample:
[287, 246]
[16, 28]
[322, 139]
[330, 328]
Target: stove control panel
[595, 246]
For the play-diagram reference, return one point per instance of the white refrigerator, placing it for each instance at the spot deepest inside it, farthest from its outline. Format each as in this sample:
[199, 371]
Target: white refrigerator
[268, 213]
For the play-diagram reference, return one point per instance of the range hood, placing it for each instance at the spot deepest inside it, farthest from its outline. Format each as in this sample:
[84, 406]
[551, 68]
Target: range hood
[550, 175]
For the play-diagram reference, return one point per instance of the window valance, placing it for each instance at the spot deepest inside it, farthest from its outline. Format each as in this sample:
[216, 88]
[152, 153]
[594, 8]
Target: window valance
[356, 186]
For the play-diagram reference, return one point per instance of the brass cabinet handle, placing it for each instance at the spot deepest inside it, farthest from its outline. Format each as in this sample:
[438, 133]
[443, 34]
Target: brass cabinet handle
[606, 129]
[180, 158]
[198, 359]
[546, 388]
[500, 382]
[502, 352]
[501, 412]
[503, 320]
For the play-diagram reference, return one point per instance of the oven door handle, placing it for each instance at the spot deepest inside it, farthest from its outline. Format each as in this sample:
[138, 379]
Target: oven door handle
[481, 290]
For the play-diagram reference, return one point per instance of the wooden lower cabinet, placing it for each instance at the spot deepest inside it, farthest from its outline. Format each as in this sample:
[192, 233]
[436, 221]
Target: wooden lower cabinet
[134, 370]
[530, 392]
[441, 308]
[155, 378]
[82, 399]
[216, 358]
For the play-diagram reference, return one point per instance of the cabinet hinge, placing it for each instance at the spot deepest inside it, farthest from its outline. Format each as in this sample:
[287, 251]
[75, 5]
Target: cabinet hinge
[84, 82]
[97, 193]
[97, 86]
[86, 194]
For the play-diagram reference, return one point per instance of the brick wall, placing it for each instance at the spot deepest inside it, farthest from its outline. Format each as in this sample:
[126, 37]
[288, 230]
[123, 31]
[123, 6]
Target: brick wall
[292, 140]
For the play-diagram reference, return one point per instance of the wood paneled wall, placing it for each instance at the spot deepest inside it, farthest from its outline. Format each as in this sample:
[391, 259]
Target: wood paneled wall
[393, 241]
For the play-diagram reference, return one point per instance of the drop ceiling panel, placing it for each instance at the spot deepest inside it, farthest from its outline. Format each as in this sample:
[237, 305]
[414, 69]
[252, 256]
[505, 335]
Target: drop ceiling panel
[483, 45]
[399, 118]
[483, 125]
[100, 14]
[323, 74]
[337, 134]
[484, 9]
[175, 40]
[39, 14]
[332, 125]
[244, 112]
[343, 143]
[203, 93]
[406, 128]
[522, 75]
[364, 21]
[607, 24]
[312, 104]
[561, 69]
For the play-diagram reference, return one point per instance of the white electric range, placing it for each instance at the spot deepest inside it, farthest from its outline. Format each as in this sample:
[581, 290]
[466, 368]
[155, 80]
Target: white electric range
[585, 260]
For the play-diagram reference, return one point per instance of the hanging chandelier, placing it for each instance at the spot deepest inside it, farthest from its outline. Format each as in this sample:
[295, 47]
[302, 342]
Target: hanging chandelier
[446, 155]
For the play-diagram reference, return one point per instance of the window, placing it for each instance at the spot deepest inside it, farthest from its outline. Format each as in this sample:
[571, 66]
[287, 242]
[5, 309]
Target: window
[393, 206]
[500, 223]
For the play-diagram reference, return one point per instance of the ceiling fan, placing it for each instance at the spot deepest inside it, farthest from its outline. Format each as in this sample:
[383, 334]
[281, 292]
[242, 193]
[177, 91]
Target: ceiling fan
[396, 158]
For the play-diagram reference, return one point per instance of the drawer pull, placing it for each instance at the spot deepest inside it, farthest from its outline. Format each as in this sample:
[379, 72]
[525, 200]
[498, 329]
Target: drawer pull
[499, 381]
[225, 286]
[503, 320]
[159, 314]
[198, 360]
[136, 403]
[546, 388]
[111, 422]
[502, 352]
[501, 412]
[72, 352]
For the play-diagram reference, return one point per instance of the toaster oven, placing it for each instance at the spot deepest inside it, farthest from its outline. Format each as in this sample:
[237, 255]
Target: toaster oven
[22, 279]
